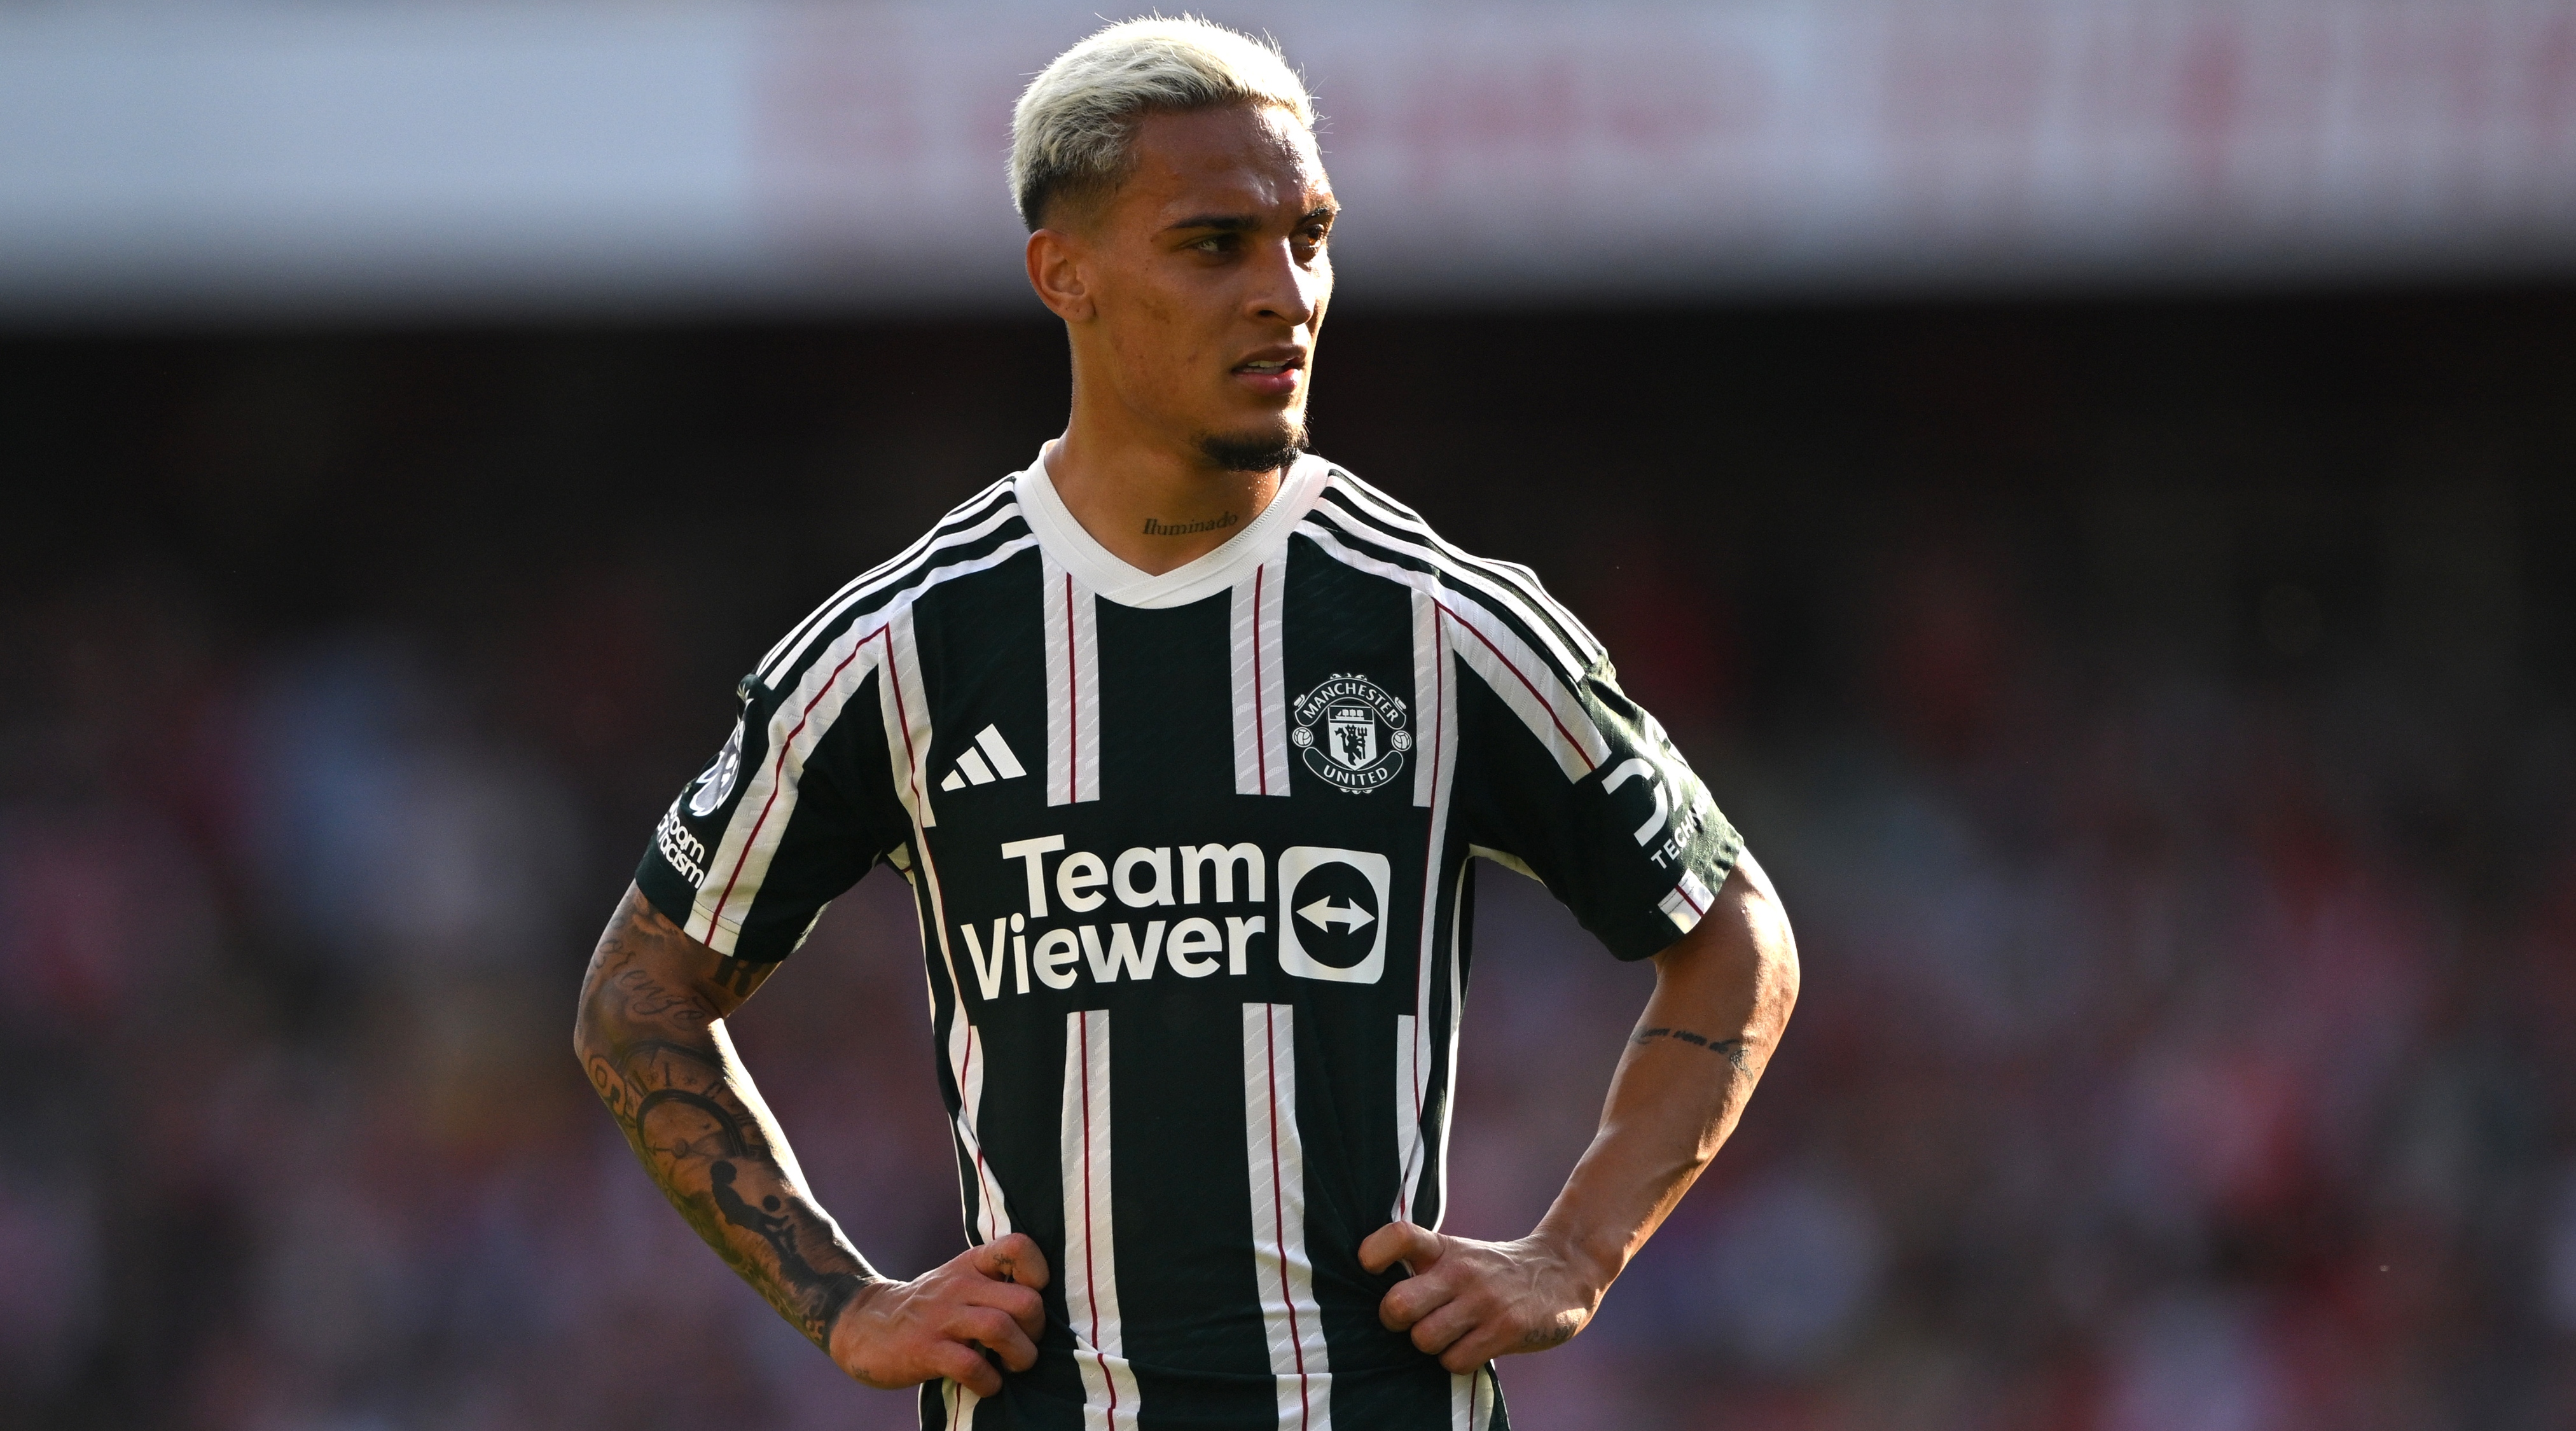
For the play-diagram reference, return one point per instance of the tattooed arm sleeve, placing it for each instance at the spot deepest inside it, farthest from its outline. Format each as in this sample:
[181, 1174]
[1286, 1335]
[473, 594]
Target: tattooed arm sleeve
[651, 1035]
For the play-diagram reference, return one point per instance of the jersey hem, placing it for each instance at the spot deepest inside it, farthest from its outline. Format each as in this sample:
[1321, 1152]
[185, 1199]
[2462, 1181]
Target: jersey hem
[1655, 932]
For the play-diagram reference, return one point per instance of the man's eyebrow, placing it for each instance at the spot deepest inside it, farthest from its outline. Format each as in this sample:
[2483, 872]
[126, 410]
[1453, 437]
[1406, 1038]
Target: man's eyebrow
[1246, 223]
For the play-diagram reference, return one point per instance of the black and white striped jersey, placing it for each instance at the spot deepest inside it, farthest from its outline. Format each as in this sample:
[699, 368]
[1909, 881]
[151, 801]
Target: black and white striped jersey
[1191, 857]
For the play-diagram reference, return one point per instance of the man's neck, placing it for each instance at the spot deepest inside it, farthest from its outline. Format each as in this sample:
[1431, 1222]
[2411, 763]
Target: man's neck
[1154, 510]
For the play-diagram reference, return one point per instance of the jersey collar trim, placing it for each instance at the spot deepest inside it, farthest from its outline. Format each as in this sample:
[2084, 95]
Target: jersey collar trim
[1111, 578]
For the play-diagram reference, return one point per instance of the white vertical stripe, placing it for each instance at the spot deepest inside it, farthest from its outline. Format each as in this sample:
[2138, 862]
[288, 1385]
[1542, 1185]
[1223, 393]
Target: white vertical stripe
[1408, 1113]
[1472, 1398]
[992, 1216]
[904, 706]
[1260, 697]
[1281, 1270]
[1090, 1270]
[1054, 597]
[961, 1405]
[1072, 645]
[905, 709]
[1430, 688]
[1086, 690]
[1244, 613]
[1436, 743]
[1449, 1054]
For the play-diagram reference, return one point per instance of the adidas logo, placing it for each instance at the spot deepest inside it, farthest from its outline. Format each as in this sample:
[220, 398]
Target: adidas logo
[974, 769]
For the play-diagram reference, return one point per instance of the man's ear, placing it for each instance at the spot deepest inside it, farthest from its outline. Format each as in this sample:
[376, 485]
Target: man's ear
[1056, 272]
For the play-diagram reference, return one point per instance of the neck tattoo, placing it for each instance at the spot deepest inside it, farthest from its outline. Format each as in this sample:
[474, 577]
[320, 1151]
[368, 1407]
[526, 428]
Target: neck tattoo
[1155, 527]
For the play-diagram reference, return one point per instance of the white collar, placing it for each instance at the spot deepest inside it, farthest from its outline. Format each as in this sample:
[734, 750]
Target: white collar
[1112, 578]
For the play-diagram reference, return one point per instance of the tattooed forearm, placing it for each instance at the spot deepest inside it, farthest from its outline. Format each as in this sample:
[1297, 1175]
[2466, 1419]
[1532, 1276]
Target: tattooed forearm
[642, 998]
[1731, 1049]
[652, 1041]
[783, 1236]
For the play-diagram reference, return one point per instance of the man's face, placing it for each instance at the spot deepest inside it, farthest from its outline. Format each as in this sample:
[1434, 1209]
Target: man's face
[1208, 275]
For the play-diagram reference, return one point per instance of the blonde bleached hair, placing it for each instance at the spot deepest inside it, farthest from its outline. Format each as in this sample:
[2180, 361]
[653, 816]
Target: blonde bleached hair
[1073, 131]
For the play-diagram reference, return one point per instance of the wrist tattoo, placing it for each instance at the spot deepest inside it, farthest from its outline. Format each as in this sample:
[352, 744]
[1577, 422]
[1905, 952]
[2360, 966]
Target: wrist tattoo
[740, 977]
[1730, 1049]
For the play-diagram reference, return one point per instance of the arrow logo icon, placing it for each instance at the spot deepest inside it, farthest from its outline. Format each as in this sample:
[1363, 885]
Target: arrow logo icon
[1356, 911]
[1324, 914]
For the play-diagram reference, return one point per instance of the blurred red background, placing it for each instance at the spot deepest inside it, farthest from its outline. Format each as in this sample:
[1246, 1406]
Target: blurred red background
[2156, 715]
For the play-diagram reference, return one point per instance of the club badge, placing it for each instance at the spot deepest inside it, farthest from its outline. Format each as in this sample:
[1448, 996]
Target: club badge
[1351, 733]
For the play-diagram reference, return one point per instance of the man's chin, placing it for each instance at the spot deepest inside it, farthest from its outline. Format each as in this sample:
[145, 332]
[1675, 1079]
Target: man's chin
[1255, 451]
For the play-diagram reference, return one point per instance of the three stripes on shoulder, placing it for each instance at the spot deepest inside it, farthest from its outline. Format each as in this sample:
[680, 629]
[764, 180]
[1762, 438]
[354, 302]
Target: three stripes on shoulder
[994, 762]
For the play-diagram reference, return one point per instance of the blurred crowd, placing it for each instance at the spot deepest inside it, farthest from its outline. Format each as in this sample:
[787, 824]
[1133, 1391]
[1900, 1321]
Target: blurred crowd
[2167, 766]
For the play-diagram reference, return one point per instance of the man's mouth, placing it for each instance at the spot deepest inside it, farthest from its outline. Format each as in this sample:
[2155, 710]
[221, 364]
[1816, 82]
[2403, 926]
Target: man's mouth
[1271, 375]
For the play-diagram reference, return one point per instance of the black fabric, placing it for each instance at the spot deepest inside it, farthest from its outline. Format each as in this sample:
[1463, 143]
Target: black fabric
[1580, 838]
[928, 680]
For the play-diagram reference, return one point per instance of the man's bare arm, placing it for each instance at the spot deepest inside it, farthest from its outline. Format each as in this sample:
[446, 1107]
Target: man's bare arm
[1722, 996]
[651, 1035]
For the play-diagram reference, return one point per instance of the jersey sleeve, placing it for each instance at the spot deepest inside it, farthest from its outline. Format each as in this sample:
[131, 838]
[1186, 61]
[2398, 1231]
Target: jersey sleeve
[796, 806]
[1580, 788]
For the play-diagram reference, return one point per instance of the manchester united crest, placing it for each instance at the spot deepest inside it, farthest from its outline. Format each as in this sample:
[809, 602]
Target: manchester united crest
[1351, 733]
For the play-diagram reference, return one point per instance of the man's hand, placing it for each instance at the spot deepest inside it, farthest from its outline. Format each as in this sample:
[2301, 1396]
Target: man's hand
[1468, 1302]
[898, 1334]
[651, 1033]
[1723, 993]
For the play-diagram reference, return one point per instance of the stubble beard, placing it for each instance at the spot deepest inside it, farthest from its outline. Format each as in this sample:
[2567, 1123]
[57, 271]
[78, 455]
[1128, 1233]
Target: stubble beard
[1256, 452]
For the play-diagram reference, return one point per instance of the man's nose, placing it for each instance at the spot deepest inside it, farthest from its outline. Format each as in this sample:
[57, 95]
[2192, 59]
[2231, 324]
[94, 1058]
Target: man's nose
[1285, 290]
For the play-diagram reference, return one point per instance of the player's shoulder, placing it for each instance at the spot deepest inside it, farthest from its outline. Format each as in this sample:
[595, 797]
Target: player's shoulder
[1366, 511]
[1370, 512]
[976, 534]
[1363, 525]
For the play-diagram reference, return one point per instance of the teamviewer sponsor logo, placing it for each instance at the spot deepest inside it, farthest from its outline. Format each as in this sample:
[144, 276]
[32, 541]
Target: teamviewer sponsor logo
[1149, 878]
[1332, 905]
[1332, 915]
[987, 760]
